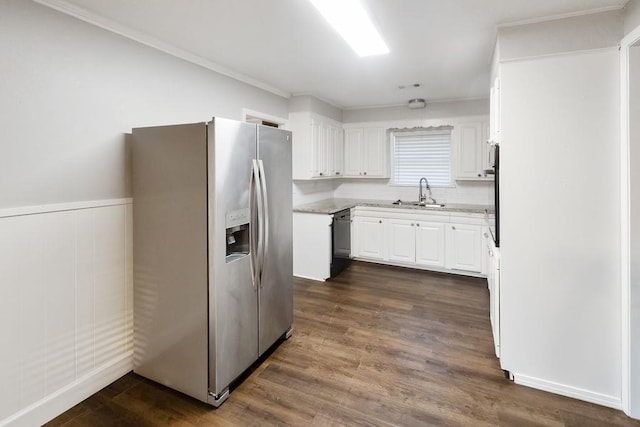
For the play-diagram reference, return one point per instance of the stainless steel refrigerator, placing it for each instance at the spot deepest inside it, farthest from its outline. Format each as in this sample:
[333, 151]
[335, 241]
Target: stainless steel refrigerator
[212, 236]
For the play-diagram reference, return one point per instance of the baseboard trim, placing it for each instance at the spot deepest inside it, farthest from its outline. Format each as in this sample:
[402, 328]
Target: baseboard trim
[423, 267]
[56, 403]
[569, 391]
[309, 278]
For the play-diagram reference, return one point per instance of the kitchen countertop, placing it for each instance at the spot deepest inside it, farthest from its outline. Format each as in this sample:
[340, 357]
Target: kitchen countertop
[331, 206]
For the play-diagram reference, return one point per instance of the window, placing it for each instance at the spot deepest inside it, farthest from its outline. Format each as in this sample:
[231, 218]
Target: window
[422, 153]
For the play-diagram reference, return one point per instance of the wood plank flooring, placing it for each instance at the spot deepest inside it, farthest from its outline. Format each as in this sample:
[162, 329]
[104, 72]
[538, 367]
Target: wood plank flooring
[379, 346]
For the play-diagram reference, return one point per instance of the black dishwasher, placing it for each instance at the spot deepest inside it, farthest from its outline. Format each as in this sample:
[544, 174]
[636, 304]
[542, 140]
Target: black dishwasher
[340, 241]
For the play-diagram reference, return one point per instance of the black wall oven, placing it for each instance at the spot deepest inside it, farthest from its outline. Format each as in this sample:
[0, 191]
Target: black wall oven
[493, 214]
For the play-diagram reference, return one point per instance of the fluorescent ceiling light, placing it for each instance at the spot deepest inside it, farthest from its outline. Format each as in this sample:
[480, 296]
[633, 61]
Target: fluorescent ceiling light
[350, 20]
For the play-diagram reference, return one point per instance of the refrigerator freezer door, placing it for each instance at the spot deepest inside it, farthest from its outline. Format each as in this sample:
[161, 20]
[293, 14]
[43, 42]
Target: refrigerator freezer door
[276, 286]
[233, 300]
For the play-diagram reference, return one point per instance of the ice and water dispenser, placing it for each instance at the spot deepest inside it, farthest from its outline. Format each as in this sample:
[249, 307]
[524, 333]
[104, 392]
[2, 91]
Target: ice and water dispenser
[237, 234]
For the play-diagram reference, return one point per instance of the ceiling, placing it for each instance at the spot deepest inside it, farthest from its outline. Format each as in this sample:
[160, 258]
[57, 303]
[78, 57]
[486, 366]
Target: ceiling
[287, 47]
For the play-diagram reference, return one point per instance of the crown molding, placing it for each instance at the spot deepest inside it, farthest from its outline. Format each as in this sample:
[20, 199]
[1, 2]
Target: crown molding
[560, 16]
[148, 40]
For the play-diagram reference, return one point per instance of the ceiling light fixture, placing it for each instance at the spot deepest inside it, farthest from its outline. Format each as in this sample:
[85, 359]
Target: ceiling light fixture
[416, 103]
[351, 21]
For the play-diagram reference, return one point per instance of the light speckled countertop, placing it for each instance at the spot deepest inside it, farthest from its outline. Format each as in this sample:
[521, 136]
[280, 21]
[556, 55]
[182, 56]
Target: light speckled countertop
[331, 206]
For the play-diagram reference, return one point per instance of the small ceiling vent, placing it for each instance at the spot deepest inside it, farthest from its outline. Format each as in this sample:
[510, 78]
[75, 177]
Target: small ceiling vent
[416, 103]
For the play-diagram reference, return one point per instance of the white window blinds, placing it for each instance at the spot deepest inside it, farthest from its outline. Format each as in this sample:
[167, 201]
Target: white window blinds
[422, 153]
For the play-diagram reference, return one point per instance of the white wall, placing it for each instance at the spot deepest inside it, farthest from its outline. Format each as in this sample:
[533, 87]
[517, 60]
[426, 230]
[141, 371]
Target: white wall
[593, 31]
[306, 103]
[312, 191]
[560, 222]
[70, 91]
[465, 192]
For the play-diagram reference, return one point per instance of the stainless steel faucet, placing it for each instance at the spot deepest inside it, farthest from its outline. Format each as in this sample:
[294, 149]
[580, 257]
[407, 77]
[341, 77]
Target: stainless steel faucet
[422, 198]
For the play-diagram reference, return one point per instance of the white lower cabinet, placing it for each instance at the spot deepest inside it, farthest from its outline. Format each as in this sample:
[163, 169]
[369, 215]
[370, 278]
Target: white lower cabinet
[430, 247]
[412, 241]
[493, 281]
[402, 240]
[420, 239]
[370, 238]
[464, 247]
[312, 245]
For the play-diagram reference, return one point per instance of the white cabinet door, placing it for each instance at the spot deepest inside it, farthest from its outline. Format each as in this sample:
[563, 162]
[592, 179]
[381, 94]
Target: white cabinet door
[402, 240]
[352, 152]
[365, 153]
[469, 149]
[338, 151]
[317, 149]
[430, 244]
[473, 151]
[371, 238]
[464, 247]
[374, 153]
[319, 143]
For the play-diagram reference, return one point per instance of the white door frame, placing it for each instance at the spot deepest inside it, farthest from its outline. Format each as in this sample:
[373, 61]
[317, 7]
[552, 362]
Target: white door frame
[284, 123]
[630, 403]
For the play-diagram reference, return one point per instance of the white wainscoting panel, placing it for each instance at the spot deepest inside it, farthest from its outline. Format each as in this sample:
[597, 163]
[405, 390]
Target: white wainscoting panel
[65, 305]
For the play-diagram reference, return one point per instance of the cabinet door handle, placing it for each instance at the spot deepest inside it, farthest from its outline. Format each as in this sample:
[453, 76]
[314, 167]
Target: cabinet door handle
[321, 173]
[380, 221]
[337, 173]
[412, 224]
[453, 227]
[417, 225]
[365, 173]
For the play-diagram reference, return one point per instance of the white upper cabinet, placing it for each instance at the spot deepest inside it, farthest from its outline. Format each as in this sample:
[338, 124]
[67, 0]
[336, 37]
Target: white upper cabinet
[473, 151]
[365, 153]
[317, 146]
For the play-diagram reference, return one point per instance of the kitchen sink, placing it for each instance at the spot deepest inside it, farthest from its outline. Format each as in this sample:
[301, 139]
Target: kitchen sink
[427, 205]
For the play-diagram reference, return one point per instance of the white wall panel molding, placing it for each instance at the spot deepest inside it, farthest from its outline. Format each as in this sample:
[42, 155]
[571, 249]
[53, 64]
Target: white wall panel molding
[47, 408]
[569, 391]
[59, 207]
[66, 292]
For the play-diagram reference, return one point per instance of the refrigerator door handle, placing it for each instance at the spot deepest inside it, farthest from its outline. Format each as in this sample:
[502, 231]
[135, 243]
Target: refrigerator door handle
[265, 219]
[254, 237]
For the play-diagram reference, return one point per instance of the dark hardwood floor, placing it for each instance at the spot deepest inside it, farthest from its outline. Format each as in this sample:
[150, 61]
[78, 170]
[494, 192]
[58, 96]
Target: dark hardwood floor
[376, 346]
